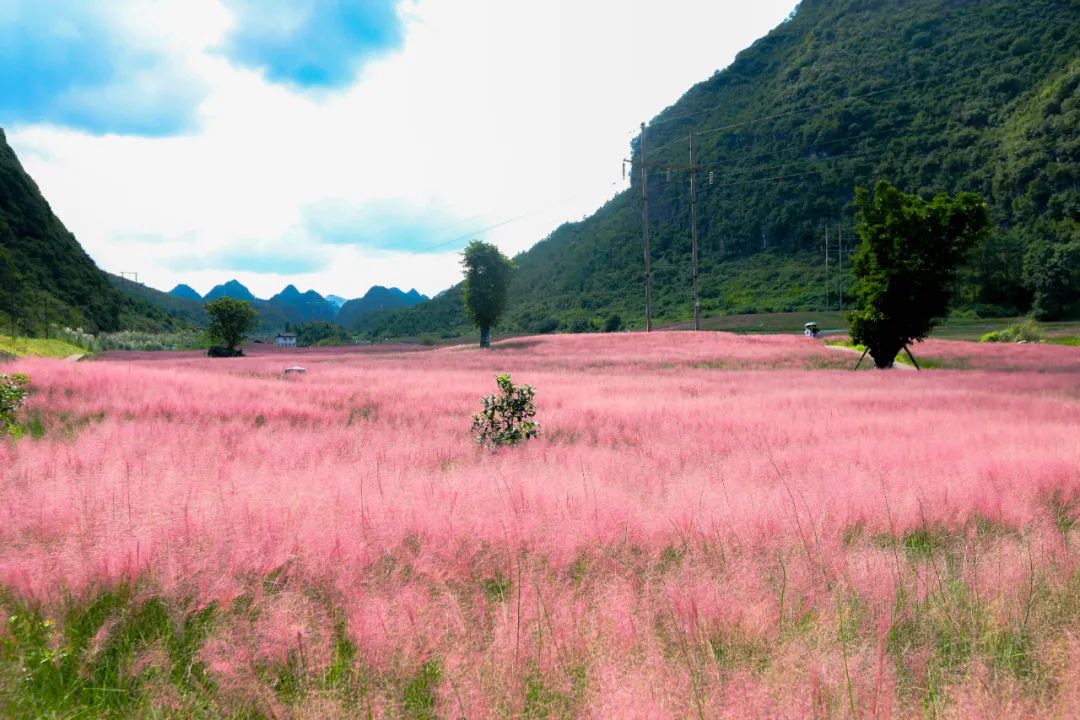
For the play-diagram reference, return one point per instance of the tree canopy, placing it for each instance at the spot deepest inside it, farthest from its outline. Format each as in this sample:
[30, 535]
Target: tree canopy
[1052, 271]
[906, 264]
[230, 321]
[487, 285]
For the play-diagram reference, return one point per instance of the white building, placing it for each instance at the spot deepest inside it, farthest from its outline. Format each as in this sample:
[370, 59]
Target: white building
[285, 340]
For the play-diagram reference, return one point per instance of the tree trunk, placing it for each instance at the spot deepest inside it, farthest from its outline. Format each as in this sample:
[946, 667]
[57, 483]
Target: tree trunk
[485, 336]
[884, 357]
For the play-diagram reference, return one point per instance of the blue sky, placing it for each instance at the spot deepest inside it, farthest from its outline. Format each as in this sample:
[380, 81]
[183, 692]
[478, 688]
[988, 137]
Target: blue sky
[63, 62]
[311, 44]
[333, 143]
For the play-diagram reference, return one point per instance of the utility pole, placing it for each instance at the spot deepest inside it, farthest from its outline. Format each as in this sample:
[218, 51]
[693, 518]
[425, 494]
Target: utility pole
[827, 307]
[840, 267]
[645, 229]
[693, 233]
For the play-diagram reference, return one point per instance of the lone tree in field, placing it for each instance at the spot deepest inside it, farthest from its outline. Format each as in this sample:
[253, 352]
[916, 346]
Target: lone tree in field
[487, 286]
[230, 321]
[905, 265]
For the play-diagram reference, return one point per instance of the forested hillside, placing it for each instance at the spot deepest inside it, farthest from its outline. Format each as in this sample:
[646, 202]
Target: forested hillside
[933, 95]
[178, 310]
[44, 272]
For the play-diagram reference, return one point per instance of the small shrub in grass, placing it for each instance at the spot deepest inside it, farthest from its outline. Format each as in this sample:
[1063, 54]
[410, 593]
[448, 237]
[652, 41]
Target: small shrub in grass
[13, 391]
[221, 351]
[1026, 331]
[614, 323]
[507, 415]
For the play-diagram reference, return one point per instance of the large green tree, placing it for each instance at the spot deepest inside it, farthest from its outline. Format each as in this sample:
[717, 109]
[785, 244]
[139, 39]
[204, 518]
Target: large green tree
[230, 321]
[906, 264]
[487, 286]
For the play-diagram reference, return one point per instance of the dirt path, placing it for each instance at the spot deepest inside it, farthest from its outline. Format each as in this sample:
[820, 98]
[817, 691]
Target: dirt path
[898, 365]
[75, 358]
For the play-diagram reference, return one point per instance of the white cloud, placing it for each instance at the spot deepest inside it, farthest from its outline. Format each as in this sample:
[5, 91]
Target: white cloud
[489, 111]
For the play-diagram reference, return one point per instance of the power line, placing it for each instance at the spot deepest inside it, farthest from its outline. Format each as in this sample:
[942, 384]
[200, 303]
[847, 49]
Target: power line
[467, 235]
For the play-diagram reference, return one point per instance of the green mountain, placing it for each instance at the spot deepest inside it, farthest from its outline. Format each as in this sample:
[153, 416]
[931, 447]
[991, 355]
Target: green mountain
[187, 292]
[233, 289]
[301, 307]
[375, 299]
[178, 310]
[46, 278]
[44, 272]
[933, 95]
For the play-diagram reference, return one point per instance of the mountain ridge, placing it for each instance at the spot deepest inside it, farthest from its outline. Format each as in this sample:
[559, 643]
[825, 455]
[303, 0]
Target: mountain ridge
[377, 298]
[187, 292]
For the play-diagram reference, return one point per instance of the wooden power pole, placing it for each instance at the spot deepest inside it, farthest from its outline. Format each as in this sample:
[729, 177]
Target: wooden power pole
[827, 307]
[840, 270]
[645, 231]
[693, 233]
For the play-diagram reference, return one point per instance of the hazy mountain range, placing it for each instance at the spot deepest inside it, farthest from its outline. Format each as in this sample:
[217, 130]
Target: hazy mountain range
[295, 307]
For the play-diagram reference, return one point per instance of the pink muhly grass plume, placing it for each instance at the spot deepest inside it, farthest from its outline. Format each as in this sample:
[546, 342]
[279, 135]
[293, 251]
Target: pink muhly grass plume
[709, 524]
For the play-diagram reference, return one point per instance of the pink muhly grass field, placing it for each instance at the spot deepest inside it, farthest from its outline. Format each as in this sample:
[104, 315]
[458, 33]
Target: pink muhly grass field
[709, 526]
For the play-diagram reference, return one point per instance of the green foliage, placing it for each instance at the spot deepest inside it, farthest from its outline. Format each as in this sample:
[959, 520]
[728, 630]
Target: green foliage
[420, 694]
[487, 285]
[1026, 331]
[230, 321]
[38, 347]
[1052, 272]
[153, 341]
[507, 415]
[580, 324]
[614, 323]
[14, 389]
[322, 334]
[162, 312]
[905, 266]
[89, 664]
[496, 589]
[543, 698]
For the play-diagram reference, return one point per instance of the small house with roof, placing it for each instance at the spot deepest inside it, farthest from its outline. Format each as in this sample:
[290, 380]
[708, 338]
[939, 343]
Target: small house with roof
[285, 340]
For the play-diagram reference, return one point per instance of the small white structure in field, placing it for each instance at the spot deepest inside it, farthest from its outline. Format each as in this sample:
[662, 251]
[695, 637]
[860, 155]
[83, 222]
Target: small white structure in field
[294, 370]
[285, 340]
